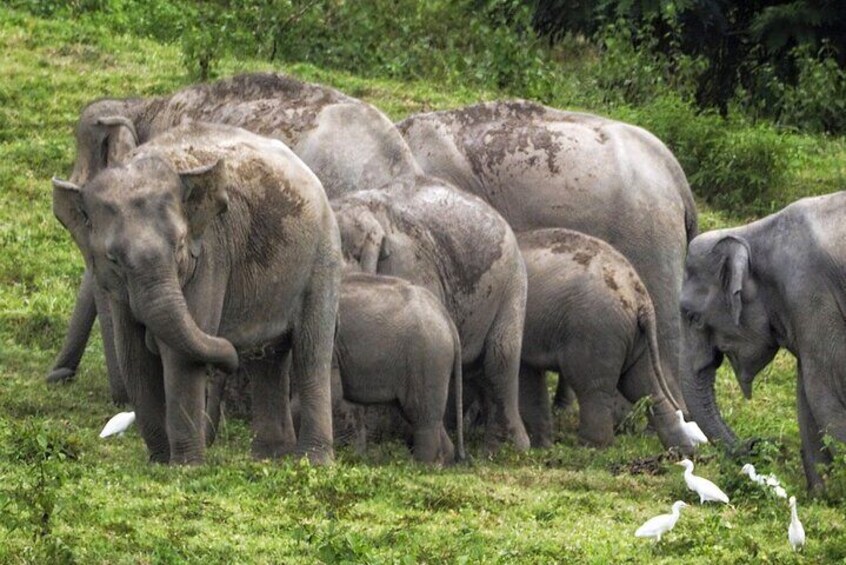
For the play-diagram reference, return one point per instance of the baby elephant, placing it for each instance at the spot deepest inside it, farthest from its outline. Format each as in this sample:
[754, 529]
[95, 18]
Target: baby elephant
[396, 343]
[589, 316]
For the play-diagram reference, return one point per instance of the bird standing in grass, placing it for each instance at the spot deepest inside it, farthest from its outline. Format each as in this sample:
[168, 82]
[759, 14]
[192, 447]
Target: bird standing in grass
[691, 430]
[118, 424]
[795, 531]
[706, 490]
[659, 525]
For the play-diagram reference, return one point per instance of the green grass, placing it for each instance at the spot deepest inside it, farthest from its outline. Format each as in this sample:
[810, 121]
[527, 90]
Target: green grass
[104, 504]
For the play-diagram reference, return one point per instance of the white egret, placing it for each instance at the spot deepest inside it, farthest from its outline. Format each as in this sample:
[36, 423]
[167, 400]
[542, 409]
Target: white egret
[691, 430]
[749, 470]
[795, 531]
[771, 480]
[780, 492]
[706, 490]
[660, 525]
[118, 424]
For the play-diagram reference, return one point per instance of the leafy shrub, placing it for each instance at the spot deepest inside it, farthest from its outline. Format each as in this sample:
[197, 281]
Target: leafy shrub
[31, 504]
[817, 102]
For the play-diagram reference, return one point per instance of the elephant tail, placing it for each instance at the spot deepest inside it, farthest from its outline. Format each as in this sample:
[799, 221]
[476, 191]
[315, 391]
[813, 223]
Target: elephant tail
[648, 325]
[458, 382]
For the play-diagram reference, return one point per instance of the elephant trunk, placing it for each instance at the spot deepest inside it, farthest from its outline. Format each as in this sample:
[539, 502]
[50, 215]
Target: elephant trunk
[157, 301]
[698, 387]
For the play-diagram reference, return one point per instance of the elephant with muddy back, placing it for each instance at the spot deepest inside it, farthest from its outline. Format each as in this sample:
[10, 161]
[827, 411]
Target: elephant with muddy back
[590, 318]
[546, 168]
[454, 245]
[779, 282]
[214, 247]
[348, 144]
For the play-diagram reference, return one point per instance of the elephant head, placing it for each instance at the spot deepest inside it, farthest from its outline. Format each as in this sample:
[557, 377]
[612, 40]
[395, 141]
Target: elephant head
[140, 227]
[105, 136]
[726, 314]
[363, 236]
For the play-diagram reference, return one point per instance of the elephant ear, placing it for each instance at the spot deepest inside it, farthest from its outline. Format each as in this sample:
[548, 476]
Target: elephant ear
[69, 209]
[204, 196]
[734, 272]
[120, 141]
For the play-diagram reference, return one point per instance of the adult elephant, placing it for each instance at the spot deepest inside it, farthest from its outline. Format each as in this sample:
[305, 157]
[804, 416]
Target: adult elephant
[350, 145]
[214, 246]
[751, 290]
[461, 250]
[546, 168]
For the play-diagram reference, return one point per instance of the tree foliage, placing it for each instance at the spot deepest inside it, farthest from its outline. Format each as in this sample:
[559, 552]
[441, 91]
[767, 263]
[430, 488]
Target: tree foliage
[762, 48]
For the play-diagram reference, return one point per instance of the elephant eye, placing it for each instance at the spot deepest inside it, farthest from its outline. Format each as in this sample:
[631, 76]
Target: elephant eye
[85, 219]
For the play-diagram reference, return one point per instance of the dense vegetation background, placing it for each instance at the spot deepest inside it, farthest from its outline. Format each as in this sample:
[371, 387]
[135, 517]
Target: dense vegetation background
[749, 95]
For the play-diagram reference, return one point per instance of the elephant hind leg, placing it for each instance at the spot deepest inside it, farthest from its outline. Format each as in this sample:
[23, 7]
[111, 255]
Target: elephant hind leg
[639, 382]
[593, 371]
[501, 378]
[534, 406]
[271, 422]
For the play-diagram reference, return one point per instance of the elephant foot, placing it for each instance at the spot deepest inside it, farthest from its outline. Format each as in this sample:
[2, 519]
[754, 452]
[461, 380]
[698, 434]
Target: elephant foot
[61, 375]
[186, 459]
[541, 442]
[160, 457]
[271, 449]
[318, 456]
[518, 438]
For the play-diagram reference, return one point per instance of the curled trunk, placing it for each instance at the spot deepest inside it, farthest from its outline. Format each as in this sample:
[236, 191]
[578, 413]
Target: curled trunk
[698, 385]
[157, 301]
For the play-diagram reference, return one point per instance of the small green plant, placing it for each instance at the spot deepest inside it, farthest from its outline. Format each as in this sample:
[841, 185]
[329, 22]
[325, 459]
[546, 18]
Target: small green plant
[31, 504]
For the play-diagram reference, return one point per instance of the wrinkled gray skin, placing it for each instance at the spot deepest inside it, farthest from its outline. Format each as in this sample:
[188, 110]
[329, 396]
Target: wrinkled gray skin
[777, 282]
[212, 245]
[590, 318]
[545, 168]
[463, 252]
[347, 143]
[396, 343]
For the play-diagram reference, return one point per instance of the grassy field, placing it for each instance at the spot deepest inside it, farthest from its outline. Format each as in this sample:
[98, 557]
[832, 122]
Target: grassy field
[67, 496]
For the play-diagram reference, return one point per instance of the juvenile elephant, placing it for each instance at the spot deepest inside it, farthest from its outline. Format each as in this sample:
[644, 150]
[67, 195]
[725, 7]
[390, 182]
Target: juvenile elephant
[461, 250]
[589, 317]
[397, 343]
[212, 243]
[777, 282]
[348, 144]
[546, 168]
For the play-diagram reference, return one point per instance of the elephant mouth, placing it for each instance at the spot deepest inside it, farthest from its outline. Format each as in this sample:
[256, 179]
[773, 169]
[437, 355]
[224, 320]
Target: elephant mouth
[744, 377]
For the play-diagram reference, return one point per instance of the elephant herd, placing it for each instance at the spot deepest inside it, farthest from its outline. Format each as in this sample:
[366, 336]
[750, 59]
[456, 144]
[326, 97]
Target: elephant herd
[293, 235]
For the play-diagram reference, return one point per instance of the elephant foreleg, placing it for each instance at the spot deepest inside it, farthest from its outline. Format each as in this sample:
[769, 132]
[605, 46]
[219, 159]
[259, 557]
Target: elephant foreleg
[82, 318]
[313, 343]
[185, 390]
[814, 452]
[144, 381]
[117, 386]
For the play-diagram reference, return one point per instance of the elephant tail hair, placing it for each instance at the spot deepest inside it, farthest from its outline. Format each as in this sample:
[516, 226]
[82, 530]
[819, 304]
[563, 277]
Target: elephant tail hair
[458, 379]
[648, 325]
